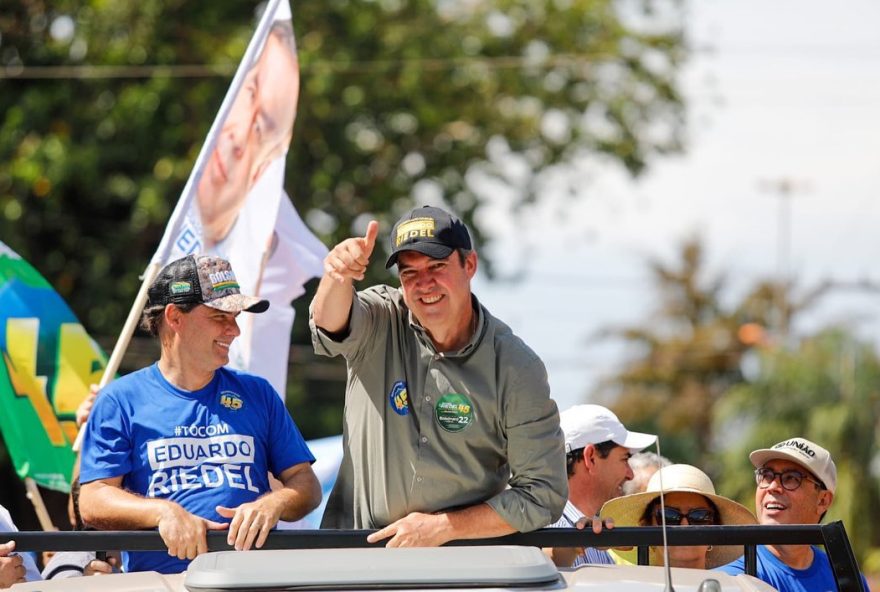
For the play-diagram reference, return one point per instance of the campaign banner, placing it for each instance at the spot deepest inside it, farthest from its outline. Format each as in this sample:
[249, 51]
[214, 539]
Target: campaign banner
[48, 363]
[234, 204]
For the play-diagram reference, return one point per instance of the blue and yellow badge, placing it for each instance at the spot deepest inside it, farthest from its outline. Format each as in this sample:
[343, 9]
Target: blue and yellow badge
[454, 412]
[398, 398]
[231, 400]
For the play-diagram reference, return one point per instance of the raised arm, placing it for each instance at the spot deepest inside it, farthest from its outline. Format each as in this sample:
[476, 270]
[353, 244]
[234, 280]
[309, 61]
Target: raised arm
[104, 504]
[345, 263]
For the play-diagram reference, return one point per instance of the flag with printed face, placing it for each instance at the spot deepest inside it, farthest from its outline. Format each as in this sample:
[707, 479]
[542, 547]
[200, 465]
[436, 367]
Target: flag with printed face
[48, 364]
[234, 204]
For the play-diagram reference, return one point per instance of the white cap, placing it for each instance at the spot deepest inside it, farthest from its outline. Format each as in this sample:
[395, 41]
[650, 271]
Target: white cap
[593, 424]
[809, 455]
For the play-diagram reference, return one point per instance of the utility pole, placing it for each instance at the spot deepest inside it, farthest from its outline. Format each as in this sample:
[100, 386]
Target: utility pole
[784, 189]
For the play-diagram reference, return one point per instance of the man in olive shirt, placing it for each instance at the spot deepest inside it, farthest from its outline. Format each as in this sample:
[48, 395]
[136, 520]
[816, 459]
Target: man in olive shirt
[445, 407]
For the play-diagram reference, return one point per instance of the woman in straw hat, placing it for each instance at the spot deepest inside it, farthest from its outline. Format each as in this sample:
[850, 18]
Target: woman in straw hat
[689, 499]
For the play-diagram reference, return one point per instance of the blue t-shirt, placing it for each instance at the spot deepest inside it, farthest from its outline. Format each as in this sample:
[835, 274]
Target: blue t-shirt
[200, 449]
[819, 577]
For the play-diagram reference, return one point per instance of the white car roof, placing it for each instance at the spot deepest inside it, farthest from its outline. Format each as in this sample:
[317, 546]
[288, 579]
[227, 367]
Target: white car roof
[445, 568]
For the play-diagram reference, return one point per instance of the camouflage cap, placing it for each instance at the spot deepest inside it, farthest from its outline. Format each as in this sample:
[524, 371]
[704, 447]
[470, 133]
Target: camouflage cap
[201, 279]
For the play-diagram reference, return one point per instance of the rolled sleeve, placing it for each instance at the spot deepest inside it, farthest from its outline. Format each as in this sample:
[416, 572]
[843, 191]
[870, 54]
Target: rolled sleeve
[363, 319]
[538, 482]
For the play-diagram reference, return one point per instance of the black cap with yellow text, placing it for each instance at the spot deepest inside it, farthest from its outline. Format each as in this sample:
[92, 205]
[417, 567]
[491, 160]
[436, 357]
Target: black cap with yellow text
[430, 231]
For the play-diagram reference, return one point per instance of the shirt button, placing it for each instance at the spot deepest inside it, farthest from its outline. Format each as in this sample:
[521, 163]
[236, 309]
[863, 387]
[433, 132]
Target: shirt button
[428, 398]
[419, 479]
[424, 439]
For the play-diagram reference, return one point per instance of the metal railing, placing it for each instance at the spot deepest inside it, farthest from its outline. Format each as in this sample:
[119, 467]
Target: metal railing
[832, 536]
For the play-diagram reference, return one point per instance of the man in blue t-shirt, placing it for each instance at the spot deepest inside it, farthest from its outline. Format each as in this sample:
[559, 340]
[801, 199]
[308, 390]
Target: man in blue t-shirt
[187, 445]
[796, 482]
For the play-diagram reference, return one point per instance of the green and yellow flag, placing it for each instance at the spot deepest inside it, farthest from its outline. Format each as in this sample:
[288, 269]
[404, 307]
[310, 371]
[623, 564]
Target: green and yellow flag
[48, 363]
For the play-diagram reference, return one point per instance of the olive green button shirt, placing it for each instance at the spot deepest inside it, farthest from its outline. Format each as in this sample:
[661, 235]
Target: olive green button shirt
[427, 431]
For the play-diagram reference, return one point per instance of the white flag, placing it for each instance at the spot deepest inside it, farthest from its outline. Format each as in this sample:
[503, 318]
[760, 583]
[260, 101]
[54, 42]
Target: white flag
[234, 204]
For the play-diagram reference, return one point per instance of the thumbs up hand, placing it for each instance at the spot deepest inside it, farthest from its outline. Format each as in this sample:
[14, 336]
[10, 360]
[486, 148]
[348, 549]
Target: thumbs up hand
[349, 259]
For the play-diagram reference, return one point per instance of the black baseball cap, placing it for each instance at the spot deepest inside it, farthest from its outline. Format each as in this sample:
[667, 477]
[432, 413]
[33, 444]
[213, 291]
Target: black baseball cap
[201, 279]
[430, 231]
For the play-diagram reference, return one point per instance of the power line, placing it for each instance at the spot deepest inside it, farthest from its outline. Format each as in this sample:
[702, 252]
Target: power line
[21, 71]
[87, 72]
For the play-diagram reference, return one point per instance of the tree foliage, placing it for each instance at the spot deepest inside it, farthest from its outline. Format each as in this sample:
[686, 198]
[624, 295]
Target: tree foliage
[690, 352]
[105, 104]
[686, 382]
[826, 390]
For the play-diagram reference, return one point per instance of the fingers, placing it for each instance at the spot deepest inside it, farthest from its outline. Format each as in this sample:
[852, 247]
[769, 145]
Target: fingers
[383, 534]
[201, 545]
[261, 539]
[346, 261]
[249, 524]
[370, 237]
[7, 548]
[184, 534]
[96, 567]
[211, 525]
[349, 259]
[248, 535]
[225, 512]
[232, 537]
[595, 523]
[85, 408]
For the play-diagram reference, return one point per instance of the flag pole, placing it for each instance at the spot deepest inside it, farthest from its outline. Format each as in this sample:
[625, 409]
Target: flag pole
[183, 204]
[33, 494]
[131, 323]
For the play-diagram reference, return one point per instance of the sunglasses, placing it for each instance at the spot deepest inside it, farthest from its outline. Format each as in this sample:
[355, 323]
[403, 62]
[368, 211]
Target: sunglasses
[790, 480]
[674, 516]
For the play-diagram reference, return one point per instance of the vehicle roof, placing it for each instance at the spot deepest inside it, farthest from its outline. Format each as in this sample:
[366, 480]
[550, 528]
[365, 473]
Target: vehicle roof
[444, 568]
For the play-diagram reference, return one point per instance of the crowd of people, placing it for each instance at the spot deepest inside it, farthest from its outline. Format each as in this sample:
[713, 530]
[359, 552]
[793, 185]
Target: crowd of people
[449, 430]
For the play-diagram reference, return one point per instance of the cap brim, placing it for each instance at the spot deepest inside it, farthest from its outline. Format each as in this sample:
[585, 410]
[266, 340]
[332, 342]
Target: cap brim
[432, 250]
[761, 457]
[239, 303]
[637, 441]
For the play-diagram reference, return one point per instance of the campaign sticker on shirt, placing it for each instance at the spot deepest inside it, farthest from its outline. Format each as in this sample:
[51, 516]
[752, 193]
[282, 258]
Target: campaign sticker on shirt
[398, 398]
[231, 400]
[454, 412]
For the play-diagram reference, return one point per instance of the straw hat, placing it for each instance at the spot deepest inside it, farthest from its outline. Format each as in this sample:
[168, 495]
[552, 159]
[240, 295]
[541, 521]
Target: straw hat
[628, 510]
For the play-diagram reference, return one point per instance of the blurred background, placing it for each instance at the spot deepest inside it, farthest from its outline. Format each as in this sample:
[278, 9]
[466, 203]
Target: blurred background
[674, 201]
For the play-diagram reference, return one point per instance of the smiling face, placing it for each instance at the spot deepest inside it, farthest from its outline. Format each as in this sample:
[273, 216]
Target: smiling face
[804, 505]
[611, 472]
[438, 292]
[205, 336]
[257, 130]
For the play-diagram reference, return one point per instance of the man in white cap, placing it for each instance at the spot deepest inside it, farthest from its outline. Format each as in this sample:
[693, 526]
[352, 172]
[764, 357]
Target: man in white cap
[597, 452]
[796, 480]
